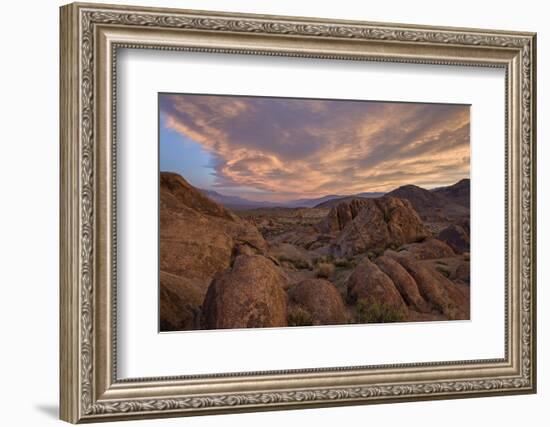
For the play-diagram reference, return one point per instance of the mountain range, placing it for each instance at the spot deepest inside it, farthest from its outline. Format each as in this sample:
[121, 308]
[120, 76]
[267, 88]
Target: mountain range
[240, 203]
[455, 198]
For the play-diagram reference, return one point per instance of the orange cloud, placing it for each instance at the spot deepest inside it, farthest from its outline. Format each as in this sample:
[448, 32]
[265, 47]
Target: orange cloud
[291, 148]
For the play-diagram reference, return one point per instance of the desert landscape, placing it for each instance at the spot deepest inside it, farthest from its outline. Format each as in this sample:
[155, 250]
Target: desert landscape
[398, 257]
[297, 212]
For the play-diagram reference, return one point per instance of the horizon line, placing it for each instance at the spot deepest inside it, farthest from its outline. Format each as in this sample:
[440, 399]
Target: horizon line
[312, 198]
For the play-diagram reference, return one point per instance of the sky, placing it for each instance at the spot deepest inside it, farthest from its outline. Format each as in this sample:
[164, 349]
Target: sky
[280, 149]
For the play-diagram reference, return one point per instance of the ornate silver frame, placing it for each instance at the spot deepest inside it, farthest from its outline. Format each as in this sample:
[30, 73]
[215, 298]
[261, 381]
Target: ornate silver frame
[90, 36]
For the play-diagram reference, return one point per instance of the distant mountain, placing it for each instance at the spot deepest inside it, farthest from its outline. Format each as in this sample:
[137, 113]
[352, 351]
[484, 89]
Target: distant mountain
[240, 203]
[421, 199]
[310, 203]
[438, 203]
[236, 202]
[370, 195]
[458, 193]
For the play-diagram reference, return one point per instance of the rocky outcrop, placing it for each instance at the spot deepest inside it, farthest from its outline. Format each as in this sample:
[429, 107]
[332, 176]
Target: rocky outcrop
[248, 295]
[428, 249]
[180, 303]
[442, 294]
[456, 237]
[197, 236]
[341, 214]
[178, 192]
[403, 281]
[379, 224]
[372, 286]
[321, 301]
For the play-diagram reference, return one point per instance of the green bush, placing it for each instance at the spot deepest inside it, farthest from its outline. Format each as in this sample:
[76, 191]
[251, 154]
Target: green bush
[299, 317]
[375, 312]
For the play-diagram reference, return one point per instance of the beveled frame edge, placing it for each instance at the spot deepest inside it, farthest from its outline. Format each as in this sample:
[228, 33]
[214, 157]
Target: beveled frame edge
[88, 390]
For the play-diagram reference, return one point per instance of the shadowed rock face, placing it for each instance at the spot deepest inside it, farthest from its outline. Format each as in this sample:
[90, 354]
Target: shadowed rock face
[180, 303]
[321, 300]
[197, 236]
[380, 223]
[456, 237]
[249, 295]
[369, 283]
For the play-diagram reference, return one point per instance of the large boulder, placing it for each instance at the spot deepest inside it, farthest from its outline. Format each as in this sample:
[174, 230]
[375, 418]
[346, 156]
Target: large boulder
[248, 295]
[442, 294]
[403, 281]
[381, 223]
[198, 237]
[180, 303]
[320, 300]
[372, 286]
[456, 237]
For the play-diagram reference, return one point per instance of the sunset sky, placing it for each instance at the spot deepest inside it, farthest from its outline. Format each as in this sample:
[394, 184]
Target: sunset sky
[278, 149]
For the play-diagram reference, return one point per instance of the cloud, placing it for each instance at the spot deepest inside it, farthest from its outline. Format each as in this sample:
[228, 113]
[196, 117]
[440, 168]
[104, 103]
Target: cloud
[308, 148]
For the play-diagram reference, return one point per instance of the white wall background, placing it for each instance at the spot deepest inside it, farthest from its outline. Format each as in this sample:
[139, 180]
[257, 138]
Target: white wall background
[29, 170]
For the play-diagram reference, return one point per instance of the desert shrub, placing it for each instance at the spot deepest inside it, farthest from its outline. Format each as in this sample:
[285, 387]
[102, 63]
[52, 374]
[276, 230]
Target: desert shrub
[297, 316]
[300, 264]
[324, 259]
[324, 270]
[375, 253]
[344, 262]
[375, 312]
[443, 271]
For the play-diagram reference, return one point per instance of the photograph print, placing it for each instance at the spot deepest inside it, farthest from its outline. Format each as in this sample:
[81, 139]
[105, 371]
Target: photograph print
[283, 212]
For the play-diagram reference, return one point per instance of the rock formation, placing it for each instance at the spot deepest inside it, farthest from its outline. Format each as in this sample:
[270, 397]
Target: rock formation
[320, 300]
[456, 237]
[198, 236]
[404, 283]
[180, 303]
[369, 283]
[249, 295]
[379, 224]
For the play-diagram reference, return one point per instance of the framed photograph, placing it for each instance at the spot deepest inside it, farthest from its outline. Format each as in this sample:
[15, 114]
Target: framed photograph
[265, 212]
